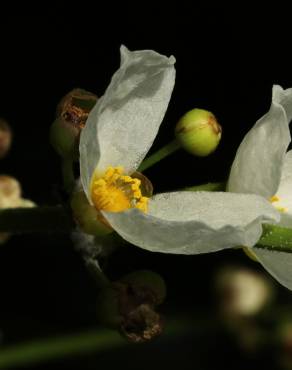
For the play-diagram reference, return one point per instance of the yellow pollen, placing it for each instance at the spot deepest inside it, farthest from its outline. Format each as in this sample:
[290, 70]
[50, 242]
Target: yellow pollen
[282, 209]
[115, 192]
[275, 199]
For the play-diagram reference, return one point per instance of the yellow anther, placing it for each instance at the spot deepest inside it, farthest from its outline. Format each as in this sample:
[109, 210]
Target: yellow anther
[119, 170]
[127, 178]
[135, 187]
[115, 177]
[142, 204]
[137, 194]
[137, 182]
[274, 198]
[115, 192]
[100, 182]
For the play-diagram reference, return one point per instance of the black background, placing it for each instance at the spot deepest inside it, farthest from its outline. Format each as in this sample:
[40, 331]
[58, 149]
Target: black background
[228, 58]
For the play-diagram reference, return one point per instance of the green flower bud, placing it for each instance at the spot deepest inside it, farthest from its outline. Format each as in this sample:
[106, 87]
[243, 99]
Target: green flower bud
[5, 138]
[87, 217]
[198, 132]
[72, 113]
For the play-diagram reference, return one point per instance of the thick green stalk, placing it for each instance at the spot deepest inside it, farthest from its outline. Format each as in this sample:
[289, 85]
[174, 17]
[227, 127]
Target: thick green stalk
[93, 341]
[96, 273]
[276, 238]
[68, 174]
[159, 155]
[53, 348]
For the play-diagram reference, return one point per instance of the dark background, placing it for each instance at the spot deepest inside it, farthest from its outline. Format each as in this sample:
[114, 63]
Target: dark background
[227, 61]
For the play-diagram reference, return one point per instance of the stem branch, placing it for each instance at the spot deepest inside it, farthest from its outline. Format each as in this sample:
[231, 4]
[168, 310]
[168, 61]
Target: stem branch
[159, 155]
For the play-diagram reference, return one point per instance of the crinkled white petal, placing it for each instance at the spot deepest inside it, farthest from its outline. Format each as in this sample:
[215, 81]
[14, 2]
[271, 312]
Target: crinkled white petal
[195, 222]
[278, 264]
[284, 193]
[259, 159]
[123, 124]
[284, 98]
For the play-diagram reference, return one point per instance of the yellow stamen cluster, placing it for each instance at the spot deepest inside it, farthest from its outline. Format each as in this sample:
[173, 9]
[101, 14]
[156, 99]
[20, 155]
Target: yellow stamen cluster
[115, 192]
[275, 199]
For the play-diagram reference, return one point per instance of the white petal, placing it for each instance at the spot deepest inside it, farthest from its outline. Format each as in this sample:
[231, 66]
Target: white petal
[278, 264]
[195, 222]
[123, 124]
[258, 163]
[284, 98]
[284, 193]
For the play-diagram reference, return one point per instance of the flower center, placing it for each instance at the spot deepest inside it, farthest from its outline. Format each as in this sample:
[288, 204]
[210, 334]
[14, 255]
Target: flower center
[275, 199]
[115, 192]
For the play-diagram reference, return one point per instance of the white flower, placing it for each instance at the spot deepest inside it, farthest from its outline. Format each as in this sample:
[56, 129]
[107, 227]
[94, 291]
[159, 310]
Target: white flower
[118, 133]
[263, 166]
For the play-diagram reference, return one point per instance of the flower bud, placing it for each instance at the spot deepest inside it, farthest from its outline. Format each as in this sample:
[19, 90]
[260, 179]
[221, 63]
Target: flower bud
[87, 217]
[72, 113]
[10, 192]
[198, 132]
[243, 292]
[10, 197]
[5, 138]
[129, 305]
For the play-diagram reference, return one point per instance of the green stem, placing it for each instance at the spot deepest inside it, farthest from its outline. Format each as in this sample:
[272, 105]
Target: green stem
[68, 174]
[210, 186]
[276, 238]
[37, 219]
[159, 155]
[53, 348]
[93, 341]
[99, 277]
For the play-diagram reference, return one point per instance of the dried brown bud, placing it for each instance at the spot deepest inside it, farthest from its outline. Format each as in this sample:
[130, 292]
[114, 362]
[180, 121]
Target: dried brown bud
[72, 113]
[139, 320]
[130, 305]
[5, 138]
[75, 107]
